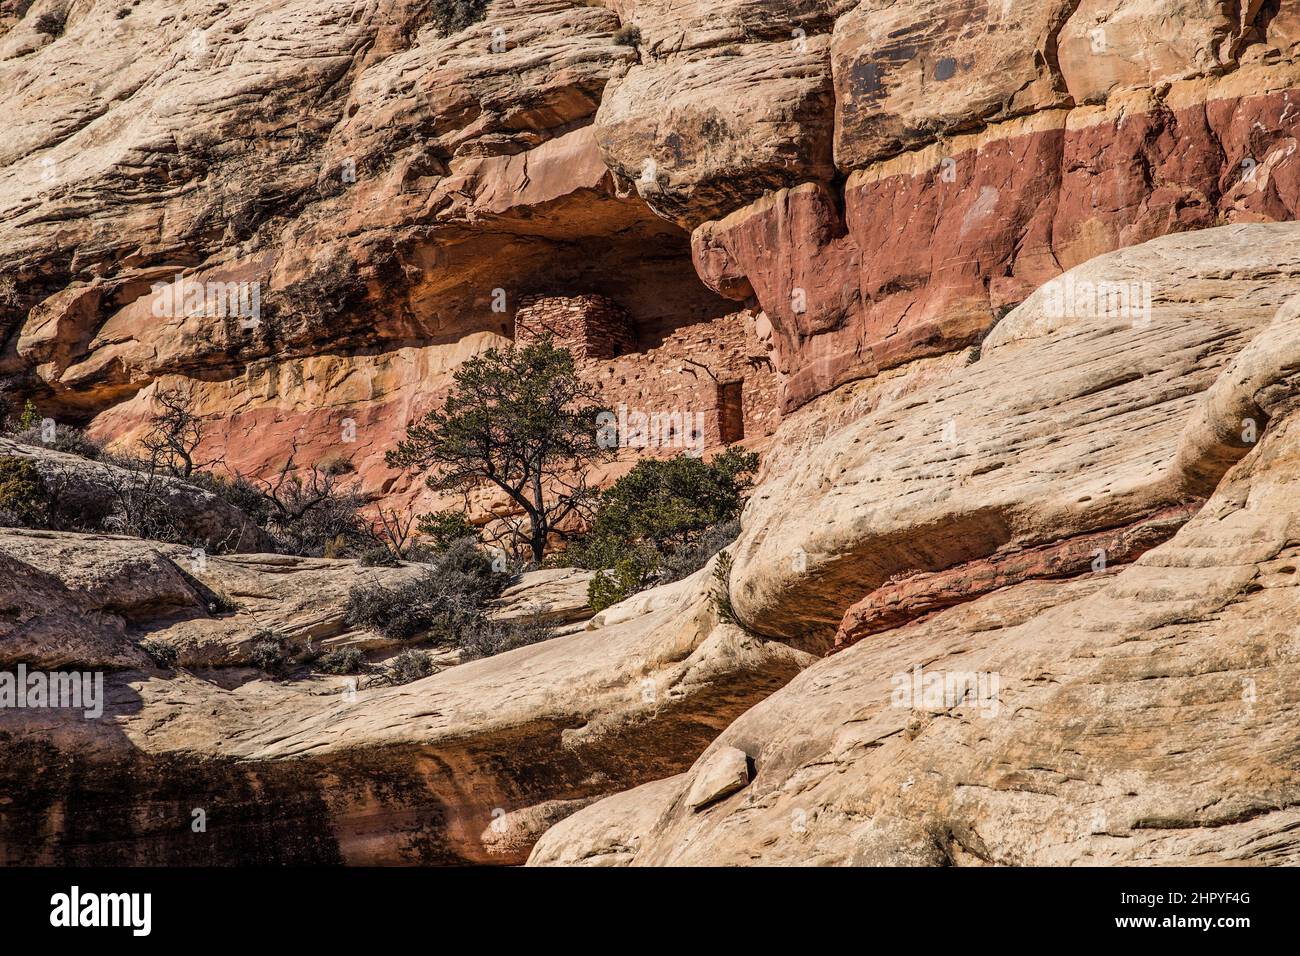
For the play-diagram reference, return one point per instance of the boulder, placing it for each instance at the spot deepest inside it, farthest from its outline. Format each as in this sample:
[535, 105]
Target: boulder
[726, 771]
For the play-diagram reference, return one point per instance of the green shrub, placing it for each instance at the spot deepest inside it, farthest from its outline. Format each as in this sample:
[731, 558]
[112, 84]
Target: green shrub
[446, 605]
[24, 496]
[52, 24]
[627, 576]
[270, 652]
[722, 590]
[444, 601]
[345, 660]
[67, 439]
[237, 491]
[670, 501]
[686, 560]
[452, 16]
[663, 521]
[442, 529]
[378, 557]
[162, 653]
[629, 34]
[497, 637]
[408, 666]
[30, 417]
[646, 567]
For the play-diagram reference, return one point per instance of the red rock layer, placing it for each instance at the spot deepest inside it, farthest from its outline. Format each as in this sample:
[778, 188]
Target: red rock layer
[357, 407]
[914, 596]
[930, 248]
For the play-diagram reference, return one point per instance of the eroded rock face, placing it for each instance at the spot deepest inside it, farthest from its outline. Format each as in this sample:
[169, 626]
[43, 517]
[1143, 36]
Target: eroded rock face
[49, 625]
[612, 834]
[473, 763]
[906, 70]
[208, 608]
[876, 184]
[1053, 720]
[391, 193]
[1139, 717]
[700, 132]
[1107, 44]
[469, 765]
[1070, 425]
[881, 180]
[930, 247]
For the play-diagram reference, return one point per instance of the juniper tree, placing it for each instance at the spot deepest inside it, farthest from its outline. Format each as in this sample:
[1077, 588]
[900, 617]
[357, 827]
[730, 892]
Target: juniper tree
[518, 419]
[662, 521]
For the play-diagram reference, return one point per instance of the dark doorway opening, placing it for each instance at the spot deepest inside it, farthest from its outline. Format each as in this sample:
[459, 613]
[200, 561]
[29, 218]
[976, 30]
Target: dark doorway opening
[731, 411]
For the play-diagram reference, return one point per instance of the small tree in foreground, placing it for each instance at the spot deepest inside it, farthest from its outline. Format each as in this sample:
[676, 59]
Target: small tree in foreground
[175, 433]
[24, 497]
[30, 417]
[441, 529]
[662, 521]
[308, 508]
[518, 419]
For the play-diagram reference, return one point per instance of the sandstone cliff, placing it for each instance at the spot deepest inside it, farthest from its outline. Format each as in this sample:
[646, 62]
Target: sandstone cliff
[881, 180]
[1006, 294]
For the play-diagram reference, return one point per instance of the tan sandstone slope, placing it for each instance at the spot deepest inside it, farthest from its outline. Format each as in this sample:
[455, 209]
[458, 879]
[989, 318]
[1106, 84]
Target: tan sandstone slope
[1146, 714]
[1142, 717]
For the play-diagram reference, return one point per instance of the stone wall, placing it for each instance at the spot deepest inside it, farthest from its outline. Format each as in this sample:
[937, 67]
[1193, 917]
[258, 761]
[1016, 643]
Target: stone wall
[717, 373]
[590, 326]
